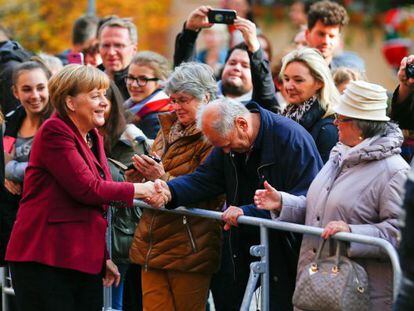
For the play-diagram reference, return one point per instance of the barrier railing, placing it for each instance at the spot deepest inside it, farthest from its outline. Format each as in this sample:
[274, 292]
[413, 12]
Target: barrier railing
[259, 268]
[262, 267]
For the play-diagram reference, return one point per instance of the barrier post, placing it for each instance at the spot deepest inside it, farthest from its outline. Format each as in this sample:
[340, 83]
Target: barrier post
[264, 240]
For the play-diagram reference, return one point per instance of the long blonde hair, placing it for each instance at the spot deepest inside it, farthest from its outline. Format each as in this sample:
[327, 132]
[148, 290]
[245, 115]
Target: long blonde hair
[328, 95]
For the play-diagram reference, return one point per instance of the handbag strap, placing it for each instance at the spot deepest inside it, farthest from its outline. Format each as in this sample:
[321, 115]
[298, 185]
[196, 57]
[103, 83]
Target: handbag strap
[320, 248]
[335, 268]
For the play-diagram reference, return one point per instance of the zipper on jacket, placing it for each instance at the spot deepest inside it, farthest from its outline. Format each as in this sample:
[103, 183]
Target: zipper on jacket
[234, 200]
[150, 243]
[190, 234]
[258, 171]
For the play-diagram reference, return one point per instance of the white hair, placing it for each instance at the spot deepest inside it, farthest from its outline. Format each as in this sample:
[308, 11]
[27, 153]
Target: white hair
[228, 110]
[328, 95]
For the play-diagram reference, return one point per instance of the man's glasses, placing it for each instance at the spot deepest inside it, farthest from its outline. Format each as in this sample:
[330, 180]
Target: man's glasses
[140, 81]
[115, 46]
[343, 120]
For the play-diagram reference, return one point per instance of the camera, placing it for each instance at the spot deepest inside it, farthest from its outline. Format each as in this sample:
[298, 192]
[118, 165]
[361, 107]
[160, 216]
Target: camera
[221, 16]
[409, 71]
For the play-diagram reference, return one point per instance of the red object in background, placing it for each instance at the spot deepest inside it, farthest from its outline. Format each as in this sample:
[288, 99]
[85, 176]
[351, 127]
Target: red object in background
[395, 50]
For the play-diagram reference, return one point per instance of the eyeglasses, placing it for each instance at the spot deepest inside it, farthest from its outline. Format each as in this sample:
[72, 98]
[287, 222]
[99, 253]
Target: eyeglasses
[181, 100]
[141, 81]
[115, 46]
[343, 120]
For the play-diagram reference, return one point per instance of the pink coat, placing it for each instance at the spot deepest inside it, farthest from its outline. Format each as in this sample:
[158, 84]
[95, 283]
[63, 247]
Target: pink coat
[61, 220]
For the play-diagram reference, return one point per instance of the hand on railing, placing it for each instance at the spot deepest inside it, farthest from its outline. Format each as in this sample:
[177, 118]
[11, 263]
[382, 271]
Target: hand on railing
[333, 227]
[230, 216]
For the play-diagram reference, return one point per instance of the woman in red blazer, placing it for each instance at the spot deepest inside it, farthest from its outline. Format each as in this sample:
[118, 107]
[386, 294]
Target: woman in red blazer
[57, 249]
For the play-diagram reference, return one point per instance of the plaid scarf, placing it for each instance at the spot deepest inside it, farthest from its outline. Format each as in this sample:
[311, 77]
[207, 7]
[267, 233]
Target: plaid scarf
[296, 112]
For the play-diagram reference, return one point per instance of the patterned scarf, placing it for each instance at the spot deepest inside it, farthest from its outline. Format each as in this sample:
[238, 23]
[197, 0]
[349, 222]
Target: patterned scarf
[296, 112]
[178, 130]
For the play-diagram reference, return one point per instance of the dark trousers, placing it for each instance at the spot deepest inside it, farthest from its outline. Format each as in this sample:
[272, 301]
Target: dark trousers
[132, 297]
[405, 300]
[43, 288]
[229, 283]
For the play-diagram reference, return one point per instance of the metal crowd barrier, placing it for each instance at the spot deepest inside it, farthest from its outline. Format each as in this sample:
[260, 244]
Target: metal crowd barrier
[259, 269]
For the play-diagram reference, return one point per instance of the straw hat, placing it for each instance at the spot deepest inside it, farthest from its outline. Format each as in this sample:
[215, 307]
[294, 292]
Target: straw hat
[363, 100]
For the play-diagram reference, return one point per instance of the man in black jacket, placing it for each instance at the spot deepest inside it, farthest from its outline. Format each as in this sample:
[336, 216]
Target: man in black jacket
[402, 108]
[246, 74]
[405, 300]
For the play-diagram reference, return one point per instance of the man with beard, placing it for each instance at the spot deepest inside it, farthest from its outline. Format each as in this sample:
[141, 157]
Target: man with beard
[246, 74]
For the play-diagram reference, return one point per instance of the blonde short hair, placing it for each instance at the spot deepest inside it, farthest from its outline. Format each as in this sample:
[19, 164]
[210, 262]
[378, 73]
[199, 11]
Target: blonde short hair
[73, 80]
[155, 61]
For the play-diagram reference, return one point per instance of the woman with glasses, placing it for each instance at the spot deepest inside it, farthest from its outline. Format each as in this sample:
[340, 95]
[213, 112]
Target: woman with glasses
[146, 74]
[311, 93]
[358, 190]
[178, 254]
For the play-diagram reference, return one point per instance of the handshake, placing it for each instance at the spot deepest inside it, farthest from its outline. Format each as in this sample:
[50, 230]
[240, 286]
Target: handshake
[157, 194]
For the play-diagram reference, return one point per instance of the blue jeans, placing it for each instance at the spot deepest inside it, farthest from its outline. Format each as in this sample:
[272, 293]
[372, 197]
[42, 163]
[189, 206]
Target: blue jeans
[117, 292]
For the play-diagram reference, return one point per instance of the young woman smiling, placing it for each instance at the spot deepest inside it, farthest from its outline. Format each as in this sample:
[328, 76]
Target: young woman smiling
[144, 83]
[30, 81]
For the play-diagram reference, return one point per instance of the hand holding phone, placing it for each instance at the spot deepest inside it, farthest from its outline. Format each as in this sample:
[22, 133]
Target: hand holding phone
[198, 19]
[149, 166]
[221, 16]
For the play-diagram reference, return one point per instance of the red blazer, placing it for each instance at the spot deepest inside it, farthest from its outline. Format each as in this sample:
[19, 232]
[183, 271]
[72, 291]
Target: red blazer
[61, 221]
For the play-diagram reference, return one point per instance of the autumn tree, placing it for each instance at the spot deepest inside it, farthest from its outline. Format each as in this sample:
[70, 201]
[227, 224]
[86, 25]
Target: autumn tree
[45, 25]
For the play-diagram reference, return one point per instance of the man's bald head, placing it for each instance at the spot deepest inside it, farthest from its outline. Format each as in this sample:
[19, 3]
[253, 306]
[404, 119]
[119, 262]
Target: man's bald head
[228, 125]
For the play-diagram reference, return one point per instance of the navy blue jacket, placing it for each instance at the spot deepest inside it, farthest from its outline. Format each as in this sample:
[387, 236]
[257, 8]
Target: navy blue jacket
[286, 156]
[289, 161]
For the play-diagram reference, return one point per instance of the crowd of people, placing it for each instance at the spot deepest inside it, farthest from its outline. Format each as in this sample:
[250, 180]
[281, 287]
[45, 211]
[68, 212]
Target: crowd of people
[309, 141]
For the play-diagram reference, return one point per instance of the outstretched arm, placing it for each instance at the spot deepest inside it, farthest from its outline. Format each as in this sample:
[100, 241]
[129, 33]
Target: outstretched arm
[185, 40]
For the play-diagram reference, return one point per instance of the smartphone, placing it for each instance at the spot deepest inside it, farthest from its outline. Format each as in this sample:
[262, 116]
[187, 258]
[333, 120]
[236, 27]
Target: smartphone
[221, 16]
[409, 71]
[131, 167]
[76, 58]
[156, 159]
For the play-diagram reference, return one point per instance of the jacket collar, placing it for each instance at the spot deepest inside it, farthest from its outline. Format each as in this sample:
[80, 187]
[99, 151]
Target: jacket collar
[265, 139]
[100, 157]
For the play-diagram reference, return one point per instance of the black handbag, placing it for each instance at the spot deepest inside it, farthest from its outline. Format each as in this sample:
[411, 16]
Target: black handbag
[334, 283]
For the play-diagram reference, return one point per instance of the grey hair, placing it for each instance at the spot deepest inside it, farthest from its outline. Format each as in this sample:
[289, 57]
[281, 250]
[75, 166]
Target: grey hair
[228, 111]
[311, 58]
[192, 78]
[371, 128]
[122, 23]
